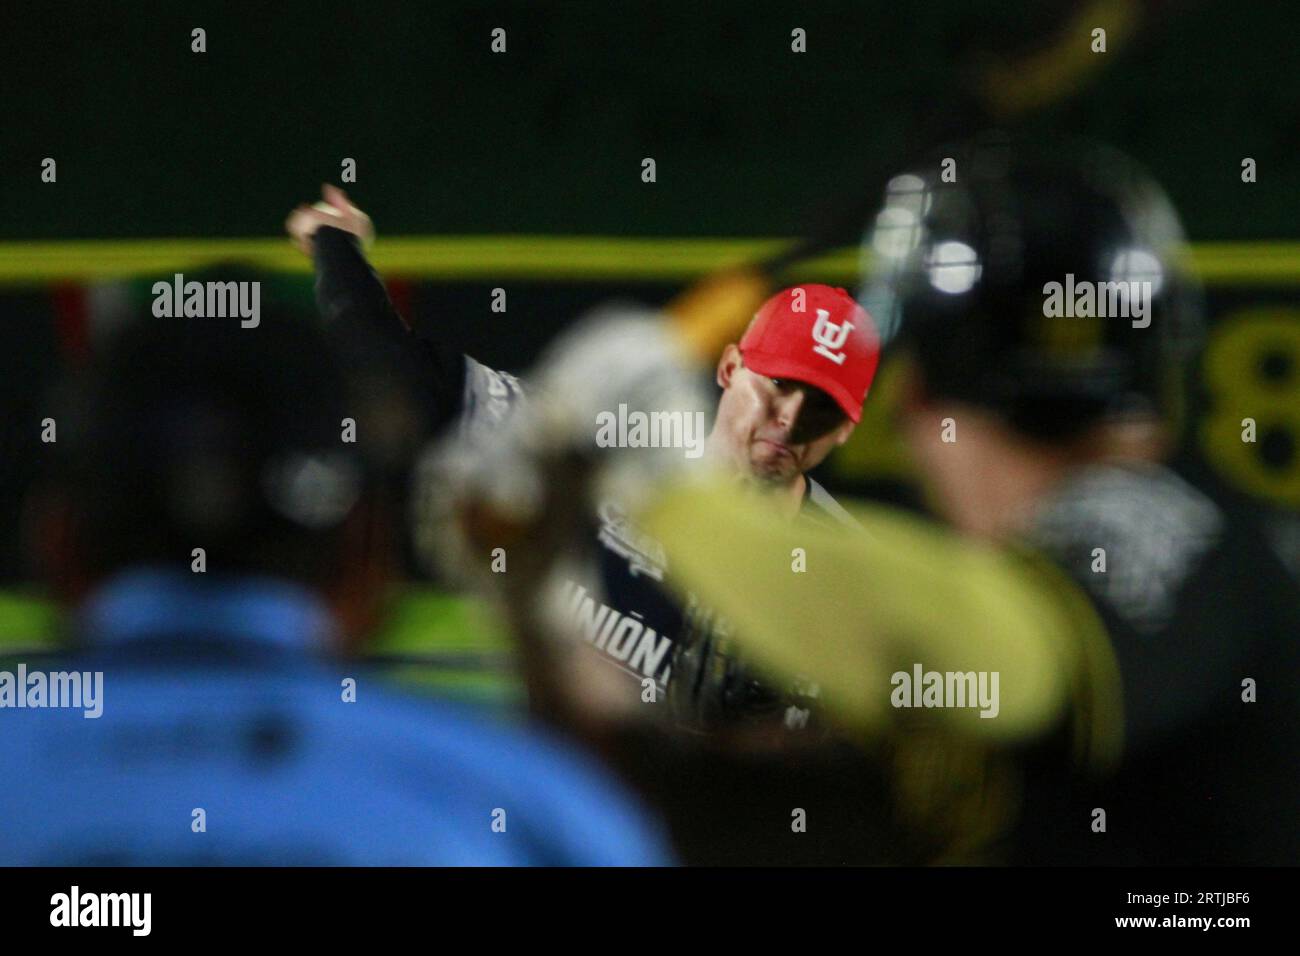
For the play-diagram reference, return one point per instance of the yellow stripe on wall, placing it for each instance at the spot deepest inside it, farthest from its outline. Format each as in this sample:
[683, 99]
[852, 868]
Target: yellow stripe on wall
[554, 258]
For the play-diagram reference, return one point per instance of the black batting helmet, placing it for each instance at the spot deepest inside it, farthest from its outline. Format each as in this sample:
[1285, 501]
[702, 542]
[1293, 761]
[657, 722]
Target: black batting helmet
[1048, 284]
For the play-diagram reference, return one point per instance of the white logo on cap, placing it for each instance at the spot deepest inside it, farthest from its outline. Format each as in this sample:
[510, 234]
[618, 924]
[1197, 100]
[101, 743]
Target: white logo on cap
[830, 337]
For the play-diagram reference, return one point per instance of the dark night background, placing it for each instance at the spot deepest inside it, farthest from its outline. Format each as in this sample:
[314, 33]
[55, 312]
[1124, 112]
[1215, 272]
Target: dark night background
[153, 140]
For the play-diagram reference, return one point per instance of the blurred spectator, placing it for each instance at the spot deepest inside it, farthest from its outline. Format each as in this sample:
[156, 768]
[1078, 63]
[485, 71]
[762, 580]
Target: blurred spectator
[225, 543]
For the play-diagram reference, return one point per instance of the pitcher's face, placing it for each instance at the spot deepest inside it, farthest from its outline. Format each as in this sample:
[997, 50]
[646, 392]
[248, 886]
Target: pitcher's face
[773, 429]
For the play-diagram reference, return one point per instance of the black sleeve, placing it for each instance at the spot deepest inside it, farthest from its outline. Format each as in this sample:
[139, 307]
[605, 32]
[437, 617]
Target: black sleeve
[354, 304]
[1193, 599]
[1203, 621]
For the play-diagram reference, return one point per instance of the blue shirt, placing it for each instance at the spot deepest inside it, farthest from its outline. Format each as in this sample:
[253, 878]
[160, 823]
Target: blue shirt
[216, 698]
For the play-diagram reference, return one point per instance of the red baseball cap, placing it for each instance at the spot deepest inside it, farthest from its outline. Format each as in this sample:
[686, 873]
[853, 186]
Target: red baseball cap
[817, 335]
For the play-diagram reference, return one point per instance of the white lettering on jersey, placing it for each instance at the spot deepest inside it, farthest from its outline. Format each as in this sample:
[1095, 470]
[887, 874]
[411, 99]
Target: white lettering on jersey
[625, 638]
